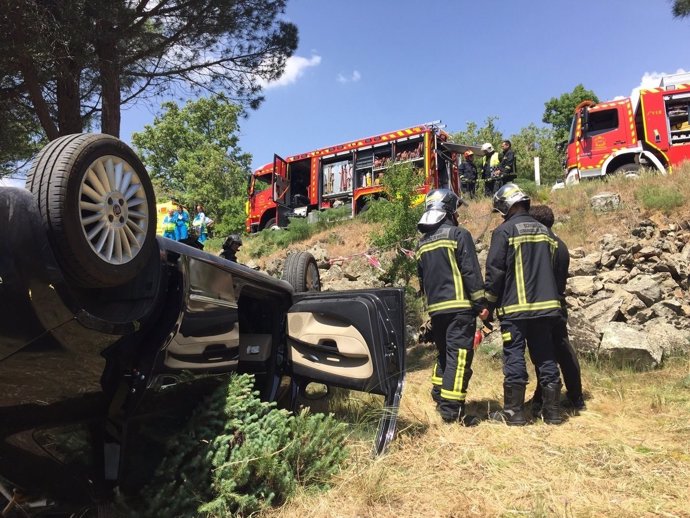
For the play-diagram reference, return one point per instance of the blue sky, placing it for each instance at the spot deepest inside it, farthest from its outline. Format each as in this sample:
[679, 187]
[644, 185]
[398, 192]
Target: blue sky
[366, 67]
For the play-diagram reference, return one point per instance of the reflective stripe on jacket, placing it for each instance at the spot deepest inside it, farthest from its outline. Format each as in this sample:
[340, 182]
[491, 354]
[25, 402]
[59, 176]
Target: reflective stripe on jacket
[449, 272]
[488, 166]
[520, 279]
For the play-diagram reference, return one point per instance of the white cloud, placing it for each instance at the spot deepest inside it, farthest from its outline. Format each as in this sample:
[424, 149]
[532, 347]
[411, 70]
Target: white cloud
[652, 79]
[353, 78]
[294, 69]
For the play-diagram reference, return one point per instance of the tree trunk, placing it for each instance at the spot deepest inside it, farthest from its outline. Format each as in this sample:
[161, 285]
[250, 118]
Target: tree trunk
[68, 98]
[109, 68]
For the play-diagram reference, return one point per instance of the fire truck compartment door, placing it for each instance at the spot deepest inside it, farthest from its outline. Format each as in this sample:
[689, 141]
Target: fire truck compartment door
[281, 181]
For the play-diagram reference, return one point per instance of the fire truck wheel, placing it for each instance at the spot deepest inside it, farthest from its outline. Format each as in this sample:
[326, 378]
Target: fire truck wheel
[270, 224]
[301, 271]
[98, 208]
[628, 170]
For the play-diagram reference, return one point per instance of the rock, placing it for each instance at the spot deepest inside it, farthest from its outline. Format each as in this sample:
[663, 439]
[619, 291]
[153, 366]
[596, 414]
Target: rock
[582, 286]
[605, 202]
[648, 251]
[607, 260]
[577, 253]
[602, 312]
[615, 276]
[646, 288]
[320, 254]
[586, 265]
[274, 267]
[628, 347]
[673, 341]
[583, 337]
[334, 273]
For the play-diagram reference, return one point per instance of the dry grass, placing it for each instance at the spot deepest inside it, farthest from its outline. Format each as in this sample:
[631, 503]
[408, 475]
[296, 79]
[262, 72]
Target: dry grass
[627, 455]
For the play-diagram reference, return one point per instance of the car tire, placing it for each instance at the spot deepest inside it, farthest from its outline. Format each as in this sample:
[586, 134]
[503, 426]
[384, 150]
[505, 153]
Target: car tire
[98, 208]
[302, 272]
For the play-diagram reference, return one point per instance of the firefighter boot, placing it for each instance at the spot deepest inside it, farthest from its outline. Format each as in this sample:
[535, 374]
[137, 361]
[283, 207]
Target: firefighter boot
[551, 411]
[537, 403]
[513, 401]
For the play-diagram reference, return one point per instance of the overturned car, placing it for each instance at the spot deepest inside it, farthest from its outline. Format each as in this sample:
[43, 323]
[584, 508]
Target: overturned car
[100, 318]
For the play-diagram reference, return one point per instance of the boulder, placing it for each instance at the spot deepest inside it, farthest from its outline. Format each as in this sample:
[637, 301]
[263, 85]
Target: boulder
[614, 276]
[583, 337]
[320, 254]
[605, 202]
[627, 347]
[585, 266]
[602, 312]
[672, 340]
[581, 285]
[645, 287]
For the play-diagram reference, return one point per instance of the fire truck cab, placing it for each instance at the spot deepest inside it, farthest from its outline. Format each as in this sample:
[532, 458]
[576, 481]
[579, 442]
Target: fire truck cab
[347, 174]
[651, 128]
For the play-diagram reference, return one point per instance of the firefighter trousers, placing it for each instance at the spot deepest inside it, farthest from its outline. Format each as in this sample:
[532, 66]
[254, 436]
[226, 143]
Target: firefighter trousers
[566, 357]
[537, 335]
[454, 338]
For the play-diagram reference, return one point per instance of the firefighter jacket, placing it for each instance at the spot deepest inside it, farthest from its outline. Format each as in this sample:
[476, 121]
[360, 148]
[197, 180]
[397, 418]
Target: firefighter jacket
[449, 272]
[468, 172]
[520, 278]
[507, 165]
[489, 164]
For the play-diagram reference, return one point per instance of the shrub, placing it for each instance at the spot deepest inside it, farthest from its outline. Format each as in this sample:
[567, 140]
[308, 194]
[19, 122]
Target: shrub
[663, 198]
[398, 215]
[299, 229]
[238, 455]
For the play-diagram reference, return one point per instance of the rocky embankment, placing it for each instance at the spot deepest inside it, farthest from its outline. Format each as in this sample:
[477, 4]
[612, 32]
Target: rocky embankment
[628, 301]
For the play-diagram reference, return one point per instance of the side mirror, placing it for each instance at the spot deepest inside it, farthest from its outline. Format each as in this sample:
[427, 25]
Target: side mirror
[250, 185]
[584, 118]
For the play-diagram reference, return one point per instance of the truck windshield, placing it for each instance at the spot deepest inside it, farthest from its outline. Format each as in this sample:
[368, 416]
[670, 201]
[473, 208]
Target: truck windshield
[262, 183]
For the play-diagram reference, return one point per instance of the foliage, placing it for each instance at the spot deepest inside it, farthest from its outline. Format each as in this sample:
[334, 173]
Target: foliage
[558, 111]
[238, 455]
[475, 135]
[20, 137]
[72, 60]
[534, 141]
[398, 216]
[663, 198]
[193, 155]
[268, 241]
[681, 8]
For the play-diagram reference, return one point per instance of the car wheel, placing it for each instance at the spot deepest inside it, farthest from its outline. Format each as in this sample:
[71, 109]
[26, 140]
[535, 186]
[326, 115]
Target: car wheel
[98, 207]
[301, 271]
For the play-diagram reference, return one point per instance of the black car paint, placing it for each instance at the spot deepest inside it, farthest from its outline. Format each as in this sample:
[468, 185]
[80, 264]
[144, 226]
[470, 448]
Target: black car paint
[72, 355]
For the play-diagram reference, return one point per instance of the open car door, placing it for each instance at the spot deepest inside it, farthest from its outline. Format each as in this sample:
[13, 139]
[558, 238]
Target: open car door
[354, 340]
[281, 181]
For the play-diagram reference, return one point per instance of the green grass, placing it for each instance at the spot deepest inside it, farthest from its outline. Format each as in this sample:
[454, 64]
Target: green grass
[658, 197]
[268, 241]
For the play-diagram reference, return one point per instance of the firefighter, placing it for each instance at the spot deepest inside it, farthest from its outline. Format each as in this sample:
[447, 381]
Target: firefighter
[566, 357]
[521, 288]
[231, 246]
[490, 163]
[506, 170]
[468, 174]
[451, 279]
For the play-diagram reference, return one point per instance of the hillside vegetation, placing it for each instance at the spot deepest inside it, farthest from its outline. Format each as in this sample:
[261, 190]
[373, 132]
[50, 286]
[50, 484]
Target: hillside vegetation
[628, 454]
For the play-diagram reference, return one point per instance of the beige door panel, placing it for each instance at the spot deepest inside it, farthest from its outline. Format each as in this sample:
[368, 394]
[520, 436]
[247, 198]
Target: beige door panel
[311, 332]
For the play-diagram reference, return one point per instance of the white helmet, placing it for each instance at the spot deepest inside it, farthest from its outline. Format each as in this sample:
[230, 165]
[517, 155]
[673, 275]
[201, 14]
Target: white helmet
[487, 148]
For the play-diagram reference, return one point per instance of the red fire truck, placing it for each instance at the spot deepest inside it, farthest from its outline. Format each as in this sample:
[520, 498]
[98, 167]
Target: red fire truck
[651, 128]
[348, 174]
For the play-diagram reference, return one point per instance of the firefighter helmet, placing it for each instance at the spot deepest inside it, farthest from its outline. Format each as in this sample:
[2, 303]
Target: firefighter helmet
[507, 196]
[468, 153]
[487, 148]
[439, 203]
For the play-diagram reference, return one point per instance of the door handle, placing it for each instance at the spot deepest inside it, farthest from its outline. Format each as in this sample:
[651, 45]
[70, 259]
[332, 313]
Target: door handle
[312, 357]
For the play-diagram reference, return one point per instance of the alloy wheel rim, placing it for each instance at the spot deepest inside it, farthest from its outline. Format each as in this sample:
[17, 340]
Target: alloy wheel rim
[113, 210]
